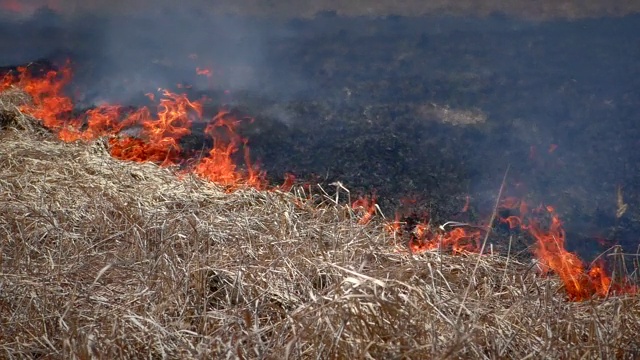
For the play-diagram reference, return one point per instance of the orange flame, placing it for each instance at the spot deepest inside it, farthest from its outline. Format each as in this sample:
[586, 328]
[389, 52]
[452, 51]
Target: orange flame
[289, 181]
[580, 283]
[459, 240]
[465, 208]
[367, 207]
[219, 166]
[157, 134]
[48, 102]
[204, 72]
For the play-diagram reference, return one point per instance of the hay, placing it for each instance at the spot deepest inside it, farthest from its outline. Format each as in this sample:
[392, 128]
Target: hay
[106, 259]
[10, 116]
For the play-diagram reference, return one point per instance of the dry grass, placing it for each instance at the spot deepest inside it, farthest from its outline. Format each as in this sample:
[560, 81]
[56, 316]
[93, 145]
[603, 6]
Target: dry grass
[106, 259]
[10, 115]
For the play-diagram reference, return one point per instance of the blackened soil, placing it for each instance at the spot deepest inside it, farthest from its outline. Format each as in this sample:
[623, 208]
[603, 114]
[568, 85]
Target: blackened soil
[370, 103]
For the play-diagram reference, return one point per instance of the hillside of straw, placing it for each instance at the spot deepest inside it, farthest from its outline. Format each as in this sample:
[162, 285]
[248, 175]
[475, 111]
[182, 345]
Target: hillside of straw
[107, 259]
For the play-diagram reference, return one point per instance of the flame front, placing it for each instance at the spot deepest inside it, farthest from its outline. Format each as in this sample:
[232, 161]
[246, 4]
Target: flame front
[580, 283]
[141, 134]
[219, 166]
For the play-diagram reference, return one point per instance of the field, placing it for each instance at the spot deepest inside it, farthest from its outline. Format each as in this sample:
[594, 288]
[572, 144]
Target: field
[103, 258]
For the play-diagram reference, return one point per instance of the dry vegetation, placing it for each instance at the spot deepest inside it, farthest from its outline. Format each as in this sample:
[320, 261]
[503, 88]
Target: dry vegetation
[106, 259]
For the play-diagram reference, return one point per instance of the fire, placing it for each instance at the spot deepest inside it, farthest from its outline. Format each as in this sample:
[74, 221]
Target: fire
[289, 181]
[465, 208]
[142, 134]
[580, 283]
[204, 72]
[367, 208]
[146, 135]
[158, 140]
[459, 239]
[219, 166]
[48, 102]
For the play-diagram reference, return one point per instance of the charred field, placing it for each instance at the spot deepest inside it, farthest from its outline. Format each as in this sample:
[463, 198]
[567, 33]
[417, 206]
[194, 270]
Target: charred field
[427, 112]
[169, 258]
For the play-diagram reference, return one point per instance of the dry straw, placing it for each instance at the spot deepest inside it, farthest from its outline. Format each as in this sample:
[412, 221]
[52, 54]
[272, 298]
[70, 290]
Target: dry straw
[108, 259]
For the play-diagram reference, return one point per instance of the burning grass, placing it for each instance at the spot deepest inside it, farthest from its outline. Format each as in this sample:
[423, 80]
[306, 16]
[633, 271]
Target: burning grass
[111, 259]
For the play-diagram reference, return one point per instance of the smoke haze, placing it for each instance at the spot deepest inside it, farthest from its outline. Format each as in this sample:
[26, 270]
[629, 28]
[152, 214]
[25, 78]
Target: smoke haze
[120, 54]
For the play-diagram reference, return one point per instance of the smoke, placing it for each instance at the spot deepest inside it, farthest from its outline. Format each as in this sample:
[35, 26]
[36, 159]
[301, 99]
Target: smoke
[122, 50]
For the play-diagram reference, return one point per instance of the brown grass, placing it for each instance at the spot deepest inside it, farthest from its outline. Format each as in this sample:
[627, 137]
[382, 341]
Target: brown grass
[106, 259]
[10, 115]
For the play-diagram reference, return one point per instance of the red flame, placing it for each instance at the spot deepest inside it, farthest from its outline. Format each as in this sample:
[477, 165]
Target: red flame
[156, 134]
[465, 208]
[580, 283]
[458, 239]
[289, 181]
[367, 207]
[219, 166]
[204, 72]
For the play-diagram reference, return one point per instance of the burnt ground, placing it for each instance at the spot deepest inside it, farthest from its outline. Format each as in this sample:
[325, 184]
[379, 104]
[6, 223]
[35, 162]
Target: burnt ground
[372, 116]
[436, 108]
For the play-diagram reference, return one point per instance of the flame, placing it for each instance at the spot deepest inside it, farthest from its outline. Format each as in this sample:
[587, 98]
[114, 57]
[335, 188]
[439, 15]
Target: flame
[219, 166]
[580, 283]
[465, 208]
[459, 240]
[289, 181]
[367, 207]
[394, 227]
[204, 72]
[142, 134]
[47, 100]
